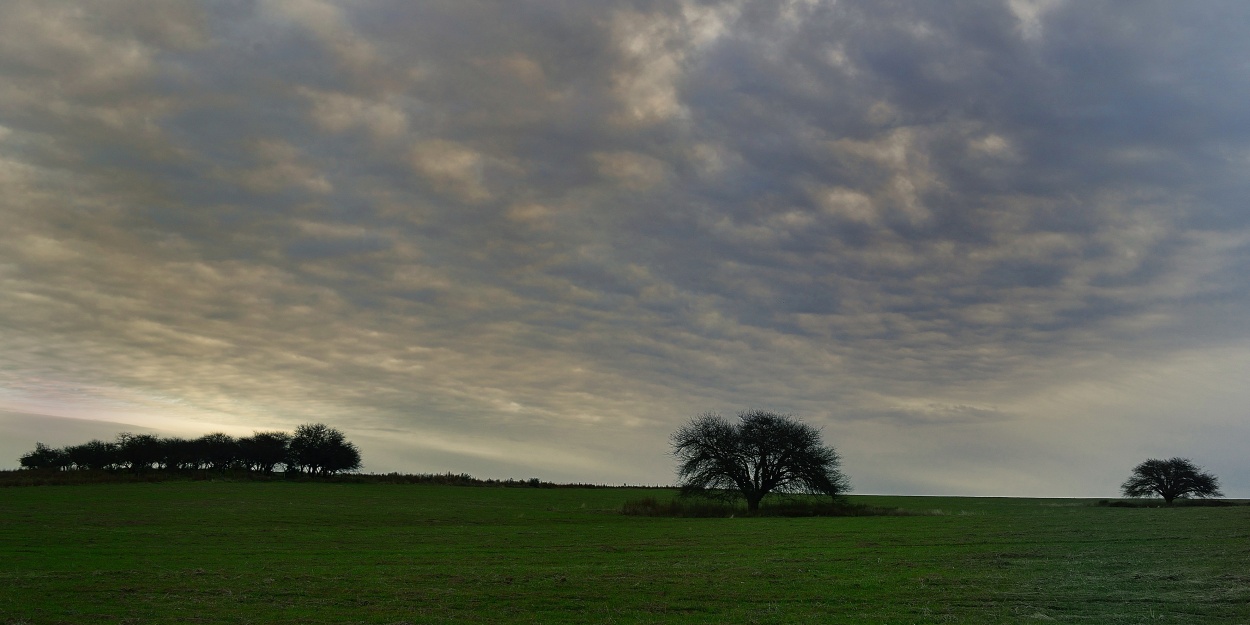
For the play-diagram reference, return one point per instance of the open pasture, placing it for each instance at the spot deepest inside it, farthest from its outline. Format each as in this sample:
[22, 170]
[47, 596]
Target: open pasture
[240, 552]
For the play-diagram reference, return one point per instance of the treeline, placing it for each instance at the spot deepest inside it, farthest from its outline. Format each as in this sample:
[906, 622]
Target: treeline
[314, 448]
[28, 477]
[464, 479]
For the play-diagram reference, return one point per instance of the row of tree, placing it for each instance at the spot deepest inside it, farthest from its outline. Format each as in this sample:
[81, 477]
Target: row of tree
[314, 448]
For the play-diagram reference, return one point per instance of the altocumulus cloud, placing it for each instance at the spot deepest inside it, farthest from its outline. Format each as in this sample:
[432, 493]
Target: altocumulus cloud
[988, 247]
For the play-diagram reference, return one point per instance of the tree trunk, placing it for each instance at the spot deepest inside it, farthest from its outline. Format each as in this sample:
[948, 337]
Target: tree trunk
[753, 501]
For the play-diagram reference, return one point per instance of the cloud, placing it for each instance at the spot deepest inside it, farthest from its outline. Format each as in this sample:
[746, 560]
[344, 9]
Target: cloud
[938, 414]
[537, 238]
[337, 112]
[654, 49]
[453, 169]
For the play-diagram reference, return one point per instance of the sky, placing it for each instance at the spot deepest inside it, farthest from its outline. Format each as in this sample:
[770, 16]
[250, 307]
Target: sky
[987, 247]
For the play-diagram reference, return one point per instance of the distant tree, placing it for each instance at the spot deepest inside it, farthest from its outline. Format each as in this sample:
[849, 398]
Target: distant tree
[763, 452]
[44, 457]
[319, 448]
[262, 451]
[94, 454]
[342, 458]
[217, 450]
[140, 451]
[1170, 479]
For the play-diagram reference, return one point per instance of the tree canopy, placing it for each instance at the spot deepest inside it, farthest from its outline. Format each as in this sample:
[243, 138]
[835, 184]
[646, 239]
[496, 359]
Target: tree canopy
[763, 452]
[1170, 479]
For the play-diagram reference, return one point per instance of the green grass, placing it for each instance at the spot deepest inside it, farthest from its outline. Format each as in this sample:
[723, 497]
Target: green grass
[274, 552]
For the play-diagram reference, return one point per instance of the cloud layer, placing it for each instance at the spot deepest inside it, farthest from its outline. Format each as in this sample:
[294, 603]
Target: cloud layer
[989, 247]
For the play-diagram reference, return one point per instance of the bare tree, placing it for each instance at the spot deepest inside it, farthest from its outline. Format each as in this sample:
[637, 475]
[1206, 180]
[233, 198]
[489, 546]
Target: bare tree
[764, 452]
[1169, 479]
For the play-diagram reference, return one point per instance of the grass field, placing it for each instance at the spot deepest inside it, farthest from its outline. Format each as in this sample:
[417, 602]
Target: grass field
[239, 552]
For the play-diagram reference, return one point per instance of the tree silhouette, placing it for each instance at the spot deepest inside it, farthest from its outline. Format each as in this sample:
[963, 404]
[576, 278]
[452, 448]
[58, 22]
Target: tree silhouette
[44, 457]
[1170, 479]
[217, 450]
[319, 448]
[315, 448]
[179, 453]
[763, 452]
[262, 451]
[140, 451]
[93, 454]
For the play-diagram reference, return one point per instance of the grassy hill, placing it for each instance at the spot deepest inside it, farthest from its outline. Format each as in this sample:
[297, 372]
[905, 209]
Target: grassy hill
[278, 552]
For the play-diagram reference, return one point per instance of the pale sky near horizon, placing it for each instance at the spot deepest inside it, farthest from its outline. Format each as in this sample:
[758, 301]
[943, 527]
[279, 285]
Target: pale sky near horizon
[998, 247]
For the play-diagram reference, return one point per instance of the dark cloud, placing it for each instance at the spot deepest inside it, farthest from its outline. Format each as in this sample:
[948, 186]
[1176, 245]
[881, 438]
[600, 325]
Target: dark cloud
[534, 238]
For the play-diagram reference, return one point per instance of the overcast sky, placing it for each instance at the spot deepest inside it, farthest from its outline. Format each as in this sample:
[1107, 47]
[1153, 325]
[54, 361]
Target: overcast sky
[988, 247]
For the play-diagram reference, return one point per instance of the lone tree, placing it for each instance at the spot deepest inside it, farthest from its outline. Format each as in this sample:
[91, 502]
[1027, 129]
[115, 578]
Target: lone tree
[1169, 479]
[763, 452]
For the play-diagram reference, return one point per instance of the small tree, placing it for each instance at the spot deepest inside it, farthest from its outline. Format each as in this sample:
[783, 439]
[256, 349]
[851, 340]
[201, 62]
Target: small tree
[140, 451]
[262, 451]
[217, 450]
[763, 452]
[319, 448]
[1169, 479]
[343, 457]
[179, 453]
[44, 457]
[93, 454]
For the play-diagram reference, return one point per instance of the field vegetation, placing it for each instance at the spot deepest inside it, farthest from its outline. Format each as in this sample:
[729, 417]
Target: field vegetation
[323, 552]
